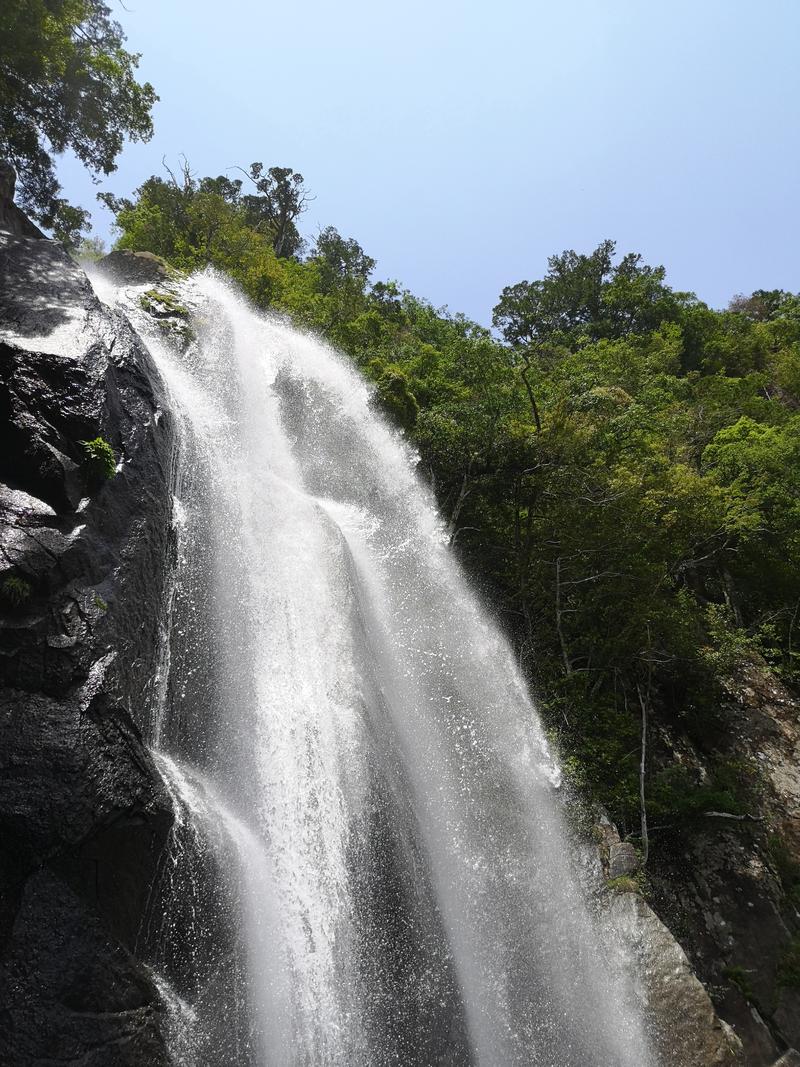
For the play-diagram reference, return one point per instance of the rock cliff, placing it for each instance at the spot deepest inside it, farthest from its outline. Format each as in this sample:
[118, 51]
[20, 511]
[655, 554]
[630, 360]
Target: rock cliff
[732, 895]
[85, 506]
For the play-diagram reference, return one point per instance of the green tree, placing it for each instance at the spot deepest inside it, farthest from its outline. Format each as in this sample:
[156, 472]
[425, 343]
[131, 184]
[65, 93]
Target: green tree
[279, 200]
[342, 261]
[66, 82]
[586, 297]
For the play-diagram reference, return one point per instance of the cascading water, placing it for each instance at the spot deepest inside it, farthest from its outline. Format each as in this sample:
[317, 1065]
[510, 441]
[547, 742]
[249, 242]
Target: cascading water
[367, 768]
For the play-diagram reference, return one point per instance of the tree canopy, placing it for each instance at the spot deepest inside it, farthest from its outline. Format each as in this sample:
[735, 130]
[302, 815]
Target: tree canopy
[66, 82]
[584, 298]
[618, 474]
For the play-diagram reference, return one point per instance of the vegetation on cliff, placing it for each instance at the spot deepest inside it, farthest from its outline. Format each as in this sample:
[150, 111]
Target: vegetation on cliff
[619, 472]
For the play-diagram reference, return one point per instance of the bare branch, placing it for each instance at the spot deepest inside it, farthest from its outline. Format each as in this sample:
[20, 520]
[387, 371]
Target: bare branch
[736, 818]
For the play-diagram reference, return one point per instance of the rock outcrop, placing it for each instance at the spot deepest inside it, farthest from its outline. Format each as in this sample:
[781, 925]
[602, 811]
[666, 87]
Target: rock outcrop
[686, 1030]
[135, 268]
[684, 1026]
[733, 896]
[84, 547]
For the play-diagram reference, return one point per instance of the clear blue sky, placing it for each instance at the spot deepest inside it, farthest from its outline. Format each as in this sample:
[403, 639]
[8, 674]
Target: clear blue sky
[463, 143]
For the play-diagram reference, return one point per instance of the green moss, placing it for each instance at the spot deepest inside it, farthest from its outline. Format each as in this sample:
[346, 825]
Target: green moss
[739, 977]
[178, 330]
[625, 883]
[100, 604]
[788, 972]
[171, 315]
[100, 463]
[159, 303]
[15, 590]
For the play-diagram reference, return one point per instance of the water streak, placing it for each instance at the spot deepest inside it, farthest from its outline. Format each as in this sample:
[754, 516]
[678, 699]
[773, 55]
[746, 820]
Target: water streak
[403, 884]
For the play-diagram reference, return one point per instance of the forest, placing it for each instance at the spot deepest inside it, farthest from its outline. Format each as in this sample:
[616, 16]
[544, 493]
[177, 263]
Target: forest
[617, 466]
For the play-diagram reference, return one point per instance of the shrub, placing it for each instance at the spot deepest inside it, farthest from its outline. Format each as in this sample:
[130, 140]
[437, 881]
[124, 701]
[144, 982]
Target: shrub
[100, 462]
[16, 590]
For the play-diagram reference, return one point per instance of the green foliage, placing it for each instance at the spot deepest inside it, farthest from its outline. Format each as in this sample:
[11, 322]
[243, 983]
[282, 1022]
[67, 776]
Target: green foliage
[16, 590]
[100, 462]
[620, 477]
[625, 883]
[90, 250]
[394, 389]
[675, 792]
[786, 867]
[163, 304]
[740, 978]
[728, 644]
[66, 82]
[192, 223]
[584, 298]
[788, 972]
[100, 604]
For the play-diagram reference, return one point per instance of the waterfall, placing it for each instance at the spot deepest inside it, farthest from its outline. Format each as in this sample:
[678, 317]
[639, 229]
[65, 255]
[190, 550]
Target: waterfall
[346, 728]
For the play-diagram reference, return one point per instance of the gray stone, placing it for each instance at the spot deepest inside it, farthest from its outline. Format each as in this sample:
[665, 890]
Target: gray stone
[134, 268]
[791, 1058]
[685, 1028]
[622, 859]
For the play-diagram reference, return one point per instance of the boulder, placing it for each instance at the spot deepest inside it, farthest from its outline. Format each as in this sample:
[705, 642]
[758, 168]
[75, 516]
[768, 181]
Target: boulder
[686, 1030]
[622, 859]
[134, 268]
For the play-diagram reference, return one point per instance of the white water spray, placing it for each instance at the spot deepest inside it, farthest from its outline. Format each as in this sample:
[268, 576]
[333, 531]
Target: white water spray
[408, 895]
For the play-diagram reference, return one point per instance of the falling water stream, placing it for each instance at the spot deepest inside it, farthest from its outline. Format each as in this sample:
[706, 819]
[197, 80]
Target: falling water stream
[369, 864]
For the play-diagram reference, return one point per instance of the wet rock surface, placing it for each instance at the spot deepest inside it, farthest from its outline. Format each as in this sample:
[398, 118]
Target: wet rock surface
[788, 1059]
[686, 1030]
[83, 556]
[733, 896]
[684, 1025]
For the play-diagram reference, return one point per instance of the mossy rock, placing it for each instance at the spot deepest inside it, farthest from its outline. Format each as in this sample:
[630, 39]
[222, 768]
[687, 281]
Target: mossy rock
[127, 267]
[162, 305]
[625, 883]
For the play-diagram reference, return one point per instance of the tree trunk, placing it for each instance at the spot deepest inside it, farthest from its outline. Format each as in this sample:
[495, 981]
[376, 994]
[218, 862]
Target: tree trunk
[645, 839]
[559, 627]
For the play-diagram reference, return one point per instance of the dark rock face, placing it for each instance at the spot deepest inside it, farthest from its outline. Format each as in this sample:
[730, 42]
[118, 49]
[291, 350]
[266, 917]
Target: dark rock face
[84, 815]
[733, 895]
[134, 268]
